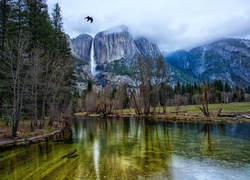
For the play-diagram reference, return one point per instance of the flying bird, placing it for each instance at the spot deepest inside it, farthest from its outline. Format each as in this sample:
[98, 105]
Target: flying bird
[89, 18]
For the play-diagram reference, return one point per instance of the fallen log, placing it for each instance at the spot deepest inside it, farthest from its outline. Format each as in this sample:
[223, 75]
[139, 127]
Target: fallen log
[227, 115]
[69, 154]
[244, 116]
[180, 111]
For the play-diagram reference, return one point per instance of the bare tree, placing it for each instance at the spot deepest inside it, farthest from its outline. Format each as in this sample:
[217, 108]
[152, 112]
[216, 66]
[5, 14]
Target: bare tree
[79, 104]
[159, 77]
[60, 90]
[120, 98]
[35, 70]
[204, 100]
[177, 102]
[163, 96]
[149, 73]
[154, 98]
[136, 101]
[144, 73]
[105, 102]
[13, 67]
[90, 102]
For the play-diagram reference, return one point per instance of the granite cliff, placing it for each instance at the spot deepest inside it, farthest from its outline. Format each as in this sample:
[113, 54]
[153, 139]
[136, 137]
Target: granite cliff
[81, 46]
[109, 49]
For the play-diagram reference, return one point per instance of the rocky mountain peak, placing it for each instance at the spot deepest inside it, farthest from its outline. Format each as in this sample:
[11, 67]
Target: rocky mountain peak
[147, 48]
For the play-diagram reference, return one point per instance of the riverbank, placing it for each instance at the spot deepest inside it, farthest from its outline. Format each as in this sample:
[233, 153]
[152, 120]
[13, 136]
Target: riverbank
[185, 113]
[26, 136]
[6, 142]
[222, 113]
[231, 112]
[174, 117]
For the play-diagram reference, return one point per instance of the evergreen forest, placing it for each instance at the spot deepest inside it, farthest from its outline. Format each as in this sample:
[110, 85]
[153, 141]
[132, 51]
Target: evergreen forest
[36, 67]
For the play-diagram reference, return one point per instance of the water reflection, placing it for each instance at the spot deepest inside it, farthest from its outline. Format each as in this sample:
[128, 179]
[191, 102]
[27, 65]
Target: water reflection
[129, 148]
[207, 138]
[132, 148]
[96, 155]
[135, 148]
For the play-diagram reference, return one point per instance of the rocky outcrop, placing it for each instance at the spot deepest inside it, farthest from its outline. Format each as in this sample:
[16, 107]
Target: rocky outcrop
[146, 48]
[113, 46]
[81, 46]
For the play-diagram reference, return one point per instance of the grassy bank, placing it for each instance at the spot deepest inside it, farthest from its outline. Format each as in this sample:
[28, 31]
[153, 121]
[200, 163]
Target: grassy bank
[191, 114]
[242, 107]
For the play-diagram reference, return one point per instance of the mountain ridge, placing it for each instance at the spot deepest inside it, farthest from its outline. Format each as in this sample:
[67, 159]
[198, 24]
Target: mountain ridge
[227, 59]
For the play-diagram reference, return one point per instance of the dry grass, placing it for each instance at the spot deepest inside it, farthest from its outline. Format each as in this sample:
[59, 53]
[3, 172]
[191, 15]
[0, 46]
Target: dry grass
[24, 129]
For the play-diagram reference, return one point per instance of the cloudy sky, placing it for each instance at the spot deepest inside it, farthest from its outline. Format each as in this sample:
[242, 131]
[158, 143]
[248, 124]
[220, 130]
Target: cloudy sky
[171, 24]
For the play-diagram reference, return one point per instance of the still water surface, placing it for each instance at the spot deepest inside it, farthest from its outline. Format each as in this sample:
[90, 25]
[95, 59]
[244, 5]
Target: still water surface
[130, 148]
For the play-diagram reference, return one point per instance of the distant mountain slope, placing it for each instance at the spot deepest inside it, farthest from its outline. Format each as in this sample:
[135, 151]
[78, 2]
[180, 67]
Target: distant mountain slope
[227, 60]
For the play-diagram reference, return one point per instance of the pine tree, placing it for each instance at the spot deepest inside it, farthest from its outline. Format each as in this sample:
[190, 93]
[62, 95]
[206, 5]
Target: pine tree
[4, 13]
[4, 18]
[178, 88]
[38, 20]
[57, 19]
[90, 86]
[227, 88]
[17, 24]
[62, 44]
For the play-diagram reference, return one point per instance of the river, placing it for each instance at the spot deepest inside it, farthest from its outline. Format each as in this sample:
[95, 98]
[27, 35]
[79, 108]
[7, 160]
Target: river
[130, 148]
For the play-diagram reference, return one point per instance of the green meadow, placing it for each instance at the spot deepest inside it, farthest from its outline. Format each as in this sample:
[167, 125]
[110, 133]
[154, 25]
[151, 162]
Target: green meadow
[238, 107]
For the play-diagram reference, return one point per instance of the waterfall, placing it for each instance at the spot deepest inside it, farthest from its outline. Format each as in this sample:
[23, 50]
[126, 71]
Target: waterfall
[92, 59]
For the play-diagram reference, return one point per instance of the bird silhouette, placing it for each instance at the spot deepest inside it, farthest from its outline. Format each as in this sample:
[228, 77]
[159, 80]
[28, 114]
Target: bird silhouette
[89, 18]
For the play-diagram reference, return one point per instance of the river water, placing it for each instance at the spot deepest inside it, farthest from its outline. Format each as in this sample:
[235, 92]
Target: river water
[129, 148]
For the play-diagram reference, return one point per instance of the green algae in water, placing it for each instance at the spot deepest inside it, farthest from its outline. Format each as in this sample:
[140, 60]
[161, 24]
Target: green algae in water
[135, 149]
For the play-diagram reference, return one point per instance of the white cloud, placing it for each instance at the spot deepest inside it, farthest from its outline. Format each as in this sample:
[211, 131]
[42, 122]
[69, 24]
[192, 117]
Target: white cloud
[171, 24]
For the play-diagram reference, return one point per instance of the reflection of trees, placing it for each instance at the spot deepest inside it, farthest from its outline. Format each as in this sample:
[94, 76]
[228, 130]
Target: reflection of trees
[122, 149]
[133, 148]
[155, 153]
[207, 138]
[127, 148]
